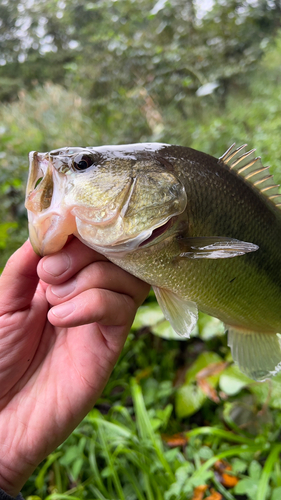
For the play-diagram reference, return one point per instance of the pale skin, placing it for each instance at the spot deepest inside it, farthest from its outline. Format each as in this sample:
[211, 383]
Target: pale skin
[55, 363]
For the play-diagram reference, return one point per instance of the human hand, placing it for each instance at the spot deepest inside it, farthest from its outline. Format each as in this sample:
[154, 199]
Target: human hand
[53, 367]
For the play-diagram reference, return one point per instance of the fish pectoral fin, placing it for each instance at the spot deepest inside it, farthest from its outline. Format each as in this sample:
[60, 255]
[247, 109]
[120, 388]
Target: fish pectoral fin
[214, 247]
[257, 354]
[181, 313]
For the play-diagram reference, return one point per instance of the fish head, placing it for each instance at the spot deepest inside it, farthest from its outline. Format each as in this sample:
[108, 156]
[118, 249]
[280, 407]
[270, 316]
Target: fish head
[113, 198]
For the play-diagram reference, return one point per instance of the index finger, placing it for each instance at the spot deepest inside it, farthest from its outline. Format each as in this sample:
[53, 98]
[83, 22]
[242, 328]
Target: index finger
[19, 279]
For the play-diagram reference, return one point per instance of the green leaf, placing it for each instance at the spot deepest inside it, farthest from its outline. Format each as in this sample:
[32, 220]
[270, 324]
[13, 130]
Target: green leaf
[70, 455]
[182, 481]
[151, 315]
[276, 494]
[247, 486]
[204, 360]
[268, 392]
[238, 465]
[189, 399]
[209, 326]
[148, 315]
[205, 453]
[232, 380]
[77, 467]
[255, 470]
[165, 331]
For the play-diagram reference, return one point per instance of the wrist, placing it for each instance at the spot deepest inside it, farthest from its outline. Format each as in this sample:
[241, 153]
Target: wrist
[9, 489]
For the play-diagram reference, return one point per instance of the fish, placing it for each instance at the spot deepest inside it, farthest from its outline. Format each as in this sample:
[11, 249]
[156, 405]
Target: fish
[204, 232]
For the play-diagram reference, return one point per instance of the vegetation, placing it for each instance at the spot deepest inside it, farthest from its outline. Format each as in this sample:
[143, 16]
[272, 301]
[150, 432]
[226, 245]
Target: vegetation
[177, 420]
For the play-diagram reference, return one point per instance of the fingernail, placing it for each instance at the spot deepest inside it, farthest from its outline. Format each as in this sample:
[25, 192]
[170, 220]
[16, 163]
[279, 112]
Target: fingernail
[56, 264]
[65, 289]
[63, 310]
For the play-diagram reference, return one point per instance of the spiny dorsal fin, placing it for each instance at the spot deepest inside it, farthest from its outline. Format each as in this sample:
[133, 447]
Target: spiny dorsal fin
[252, 170]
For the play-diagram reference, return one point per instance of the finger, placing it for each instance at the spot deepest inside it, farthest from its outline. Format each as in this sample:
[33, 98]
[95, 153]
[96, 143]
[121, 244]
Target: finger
[19, 279]
[101, 274]
[94, 306]
[61, 266]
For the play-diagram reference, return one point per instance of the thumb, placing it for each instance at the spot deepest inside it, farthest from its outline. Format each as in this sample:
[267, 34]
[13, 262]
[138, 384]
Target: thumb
[19, 279]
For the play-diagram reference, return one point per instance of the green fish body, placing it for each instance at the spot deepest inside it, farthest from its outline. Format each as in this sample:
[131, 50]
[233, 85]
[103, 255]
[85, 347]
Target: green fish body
[205, 233]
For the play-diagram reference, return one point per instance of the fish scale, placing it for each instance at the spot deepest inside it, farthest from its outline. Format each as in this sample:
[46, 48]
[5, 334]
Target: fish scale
[204, 232]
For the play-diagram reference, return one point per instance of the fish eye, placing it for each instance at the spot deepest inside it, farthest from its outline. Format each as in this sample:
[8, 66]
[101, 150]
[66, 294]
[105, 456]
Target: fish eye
[82, 162]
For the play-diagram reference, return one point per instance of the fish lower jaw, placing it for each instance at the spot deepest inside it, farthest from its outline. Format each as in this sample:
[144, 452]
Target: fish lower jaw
[113, 240]
[49, 234]
[117, 249]
[109, 240]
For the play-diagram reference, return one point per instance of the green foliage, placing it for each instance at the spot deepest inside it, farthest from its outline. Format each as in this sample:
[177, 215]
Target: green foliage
[122, 455]
[190, 397]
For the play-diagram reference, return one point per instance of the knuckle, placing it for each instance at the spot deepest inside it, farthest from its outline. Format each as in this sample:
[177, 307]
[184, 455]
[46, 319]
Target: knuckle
[98, 304]
[100, 270]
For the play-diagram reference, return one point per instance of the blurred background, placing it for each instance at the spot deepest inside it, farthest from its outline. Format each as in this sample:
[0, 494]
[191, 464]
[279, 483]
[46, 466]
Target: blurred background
[203, 74]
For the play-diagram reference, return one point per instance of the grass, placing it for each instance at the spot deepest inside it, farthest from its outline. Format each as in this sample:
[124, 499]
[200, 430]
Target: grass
[133, 446]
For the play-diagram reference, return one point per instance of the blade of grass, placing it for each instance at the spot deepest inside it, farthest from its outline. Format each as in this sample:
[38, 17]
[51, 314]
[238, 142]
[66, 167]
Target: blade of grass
[110, 463]
[278, 472]
[95, 469]
[265, 475]
[220, 433]
[61, 496]
[134, 482]
[119, 429]
[142, 455]
[57, 476]
[145, 428]
[148, 489]
[81, 488]
[39, 481]
[144, 465]
[97, 493]
[235, 450]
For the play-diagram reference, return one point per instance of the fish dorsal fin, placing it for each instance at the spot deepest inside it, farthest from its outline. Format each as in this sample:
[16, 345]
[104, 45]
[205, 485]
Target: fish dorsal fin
[250, 167]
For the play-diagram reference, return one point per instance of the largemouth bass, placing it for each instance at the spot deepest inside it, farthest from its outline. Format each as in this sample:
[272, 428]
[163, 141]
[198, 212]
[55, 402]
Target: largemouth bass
[204, 232]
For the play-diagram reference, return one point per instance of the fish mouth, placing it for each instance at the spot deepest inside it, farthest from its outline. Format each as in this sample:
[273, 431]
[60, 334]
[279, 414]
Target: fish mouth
[50, 223]
[157, 232]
